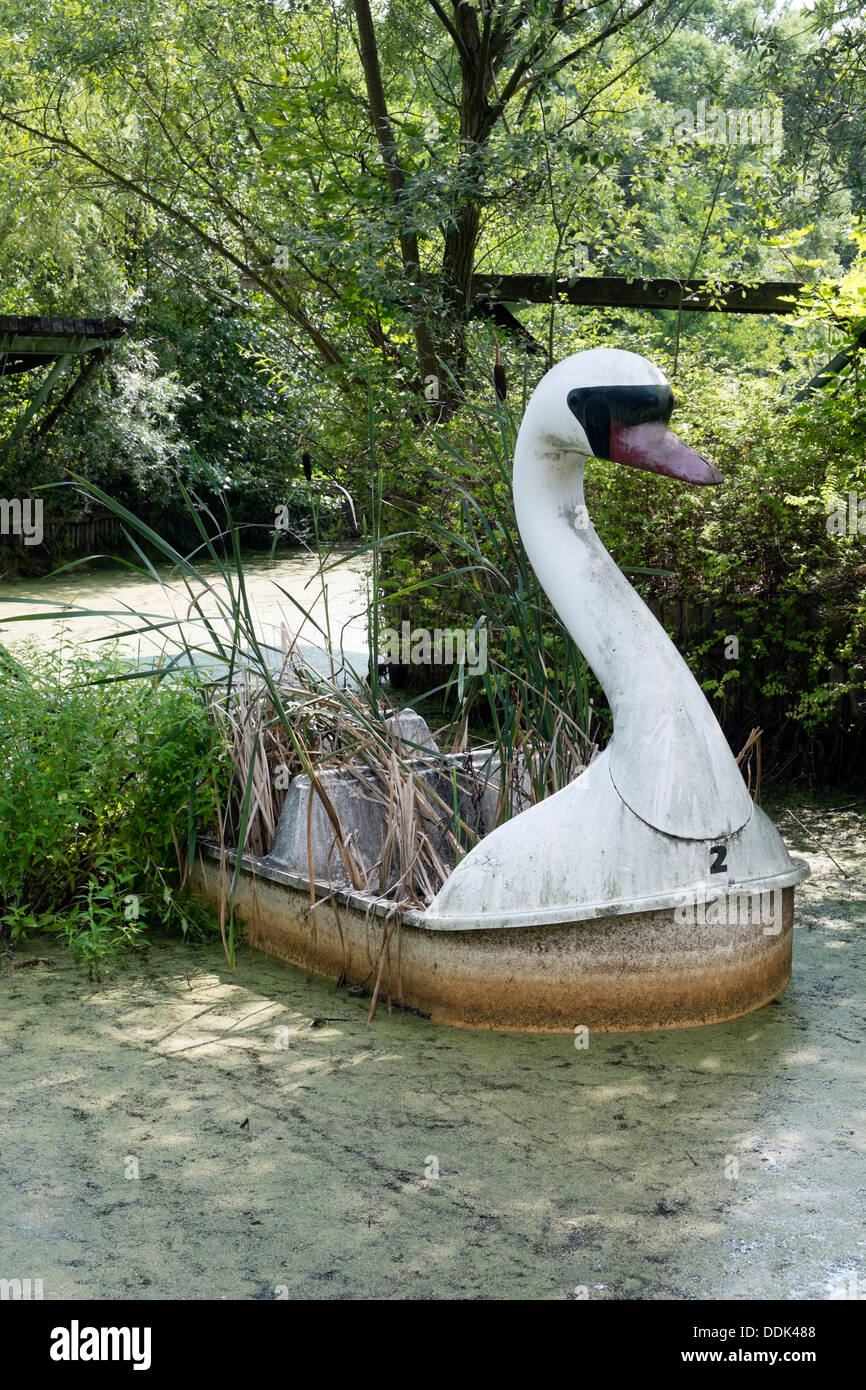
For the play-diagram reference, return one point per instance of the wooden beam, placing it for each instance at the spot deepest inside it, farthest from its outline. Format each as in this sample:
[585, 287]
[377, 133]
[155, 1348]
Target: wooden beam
[504, 319]
[28, 342]
[15, 365]
[87, 366]
[61, 366]
[619, 292]
[31, 325]
[45, 347]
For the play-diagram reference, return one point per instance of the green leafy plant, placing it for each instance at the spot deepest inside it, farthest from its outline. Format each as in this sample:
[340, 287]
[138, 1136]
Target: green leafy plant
[102, 784]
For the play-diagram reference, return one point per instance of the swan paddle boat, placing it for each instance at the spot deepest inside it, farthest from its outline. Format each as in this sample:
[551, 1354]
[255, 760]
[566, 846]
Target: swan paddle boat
[649, 893]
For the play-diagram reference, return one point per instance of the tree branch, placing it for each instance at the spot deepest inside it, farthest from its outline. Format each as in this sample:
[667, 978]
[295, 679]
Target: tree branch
[255, 274]
[453, 33]
[524, 64]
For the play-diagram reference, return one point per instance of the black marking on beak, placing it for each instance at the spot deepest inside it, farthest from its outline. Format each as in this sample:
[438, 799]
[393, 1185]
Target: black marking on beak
[596, 406]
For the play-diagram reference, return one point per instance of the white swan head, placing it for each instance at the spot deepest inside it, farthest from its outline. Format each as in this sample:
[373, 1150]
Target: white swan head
[610, 404]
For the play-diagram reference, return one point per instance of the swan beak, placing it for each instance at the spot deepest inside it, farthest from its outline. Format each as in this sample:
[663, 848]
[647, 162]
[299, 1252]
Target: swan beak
[656, 448]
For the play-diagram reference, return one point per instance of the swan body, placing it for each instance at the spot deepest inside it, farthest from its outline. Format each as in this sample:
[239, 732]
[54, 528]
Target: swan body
[662, 817]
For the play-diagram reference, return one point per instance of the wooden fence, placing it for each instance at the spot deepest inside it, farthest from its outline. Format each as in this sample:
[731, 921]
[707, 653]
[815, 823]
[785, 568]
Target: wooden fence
[78, 534]
[82, 533]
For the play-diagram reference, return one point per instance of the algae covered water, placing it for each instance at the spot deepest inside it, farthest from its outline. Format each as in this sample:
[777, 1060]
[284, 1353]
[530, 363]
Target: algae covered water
[182, 1131]
[100, 602]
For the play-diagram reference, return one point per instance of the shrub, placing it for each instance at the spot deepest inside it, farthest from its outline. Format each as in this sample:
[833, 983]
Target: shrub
[102, 781]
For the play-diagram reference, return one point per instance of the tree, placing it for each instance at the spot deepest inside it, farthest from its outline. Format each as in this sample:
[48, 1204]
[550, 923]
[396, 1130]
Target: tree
[242, 132]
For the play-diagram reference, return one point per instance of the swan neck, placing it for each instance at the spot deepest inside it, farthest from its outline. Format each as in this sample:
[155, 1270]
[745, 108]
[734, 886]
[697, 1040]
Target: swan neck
[668, 758]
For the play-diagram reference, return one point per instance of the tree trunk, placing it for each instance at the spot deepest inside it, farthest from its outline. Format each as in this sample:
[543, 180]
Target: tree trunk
[477, 119]
[428, 361]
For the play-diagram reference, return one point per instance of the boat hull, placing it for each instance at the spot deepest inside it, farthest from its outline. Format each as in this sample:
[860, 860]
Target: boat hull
[607, 974]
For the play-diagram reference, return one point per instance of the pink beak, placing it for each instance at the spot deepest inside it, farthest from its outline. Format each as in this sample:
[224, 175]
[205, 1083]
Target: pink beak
[654, 447]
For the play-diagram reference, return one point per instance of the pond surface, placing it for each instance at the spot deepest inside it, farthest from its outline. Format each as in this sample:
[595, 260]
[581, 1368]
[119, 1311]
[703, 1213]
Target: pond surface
[287, 1148]
[89, 604]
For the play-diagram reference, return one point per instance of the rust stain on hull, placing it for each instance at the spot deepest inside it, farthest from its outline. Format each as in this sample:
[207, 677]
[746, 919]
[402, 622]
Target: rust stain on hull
[612, 974]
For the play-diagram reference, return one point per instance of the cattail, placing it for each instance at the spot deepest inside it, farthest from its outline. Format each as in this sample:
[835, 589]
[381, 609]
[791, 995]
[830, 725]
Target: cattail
[499, 373]
[306, 462]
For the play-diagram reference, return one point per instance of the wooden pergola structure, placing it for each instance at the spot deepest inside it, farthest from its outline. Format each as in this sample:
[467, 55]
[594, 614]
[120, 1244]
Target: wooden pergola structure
[623, 292]
[498, 296]
[31, 344]
[55, 345]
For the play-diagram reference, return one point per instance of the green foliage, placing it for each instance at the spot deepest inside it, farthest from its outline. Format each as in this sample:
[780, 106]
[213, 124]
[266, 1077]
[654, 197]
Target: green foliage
[117, 196]
[216, 176]
[756, 557]
[460, 562]
[753, 560]
[103, 780]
